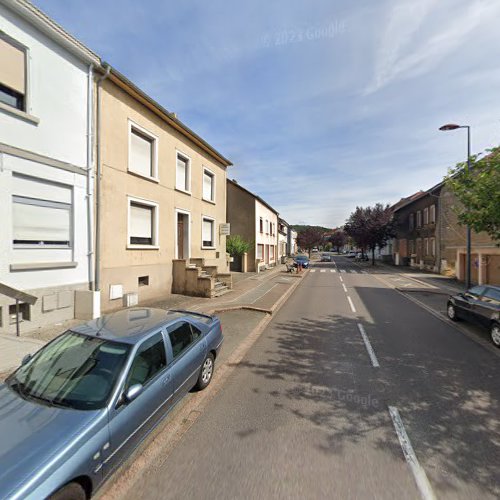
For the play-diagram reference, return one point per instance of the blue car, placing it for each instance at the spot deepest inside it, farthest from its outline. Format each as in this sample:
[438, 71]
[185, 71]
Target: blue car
[301, 260]
[72, 413]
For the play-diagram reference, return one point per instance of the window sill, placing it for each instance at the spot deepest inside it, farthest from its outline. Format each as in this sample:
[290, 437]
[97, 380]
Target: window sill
[145, 177]
[183, 191]
[209, 201]
[208, 248]
[143, 247]
[39, 266]
[19, 114]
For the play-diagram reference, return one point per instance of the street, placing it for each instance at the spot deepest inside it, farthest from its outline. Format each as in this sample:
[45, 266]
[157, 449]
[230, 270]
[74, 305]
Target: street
[352, 391]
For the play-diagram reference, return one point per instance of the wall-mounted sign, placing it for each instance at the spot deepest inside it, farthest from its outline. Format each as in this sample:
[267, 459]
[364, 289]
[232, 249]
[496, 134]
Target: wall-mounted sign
[225, 229]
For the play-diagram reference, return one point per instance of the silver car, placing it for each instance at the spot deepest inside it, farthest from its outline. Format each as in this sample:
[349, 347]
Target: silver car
[74, 411]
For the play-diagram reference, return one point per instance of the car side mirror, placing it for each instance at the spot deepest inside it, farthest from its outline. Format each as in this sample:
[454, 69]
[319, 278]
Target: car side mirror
[133, 392]
[26, 359]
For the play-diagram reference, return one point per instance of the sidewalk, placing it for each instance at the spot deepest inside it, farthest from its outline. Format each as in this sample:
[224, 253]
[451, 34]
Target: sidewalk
[253, 296]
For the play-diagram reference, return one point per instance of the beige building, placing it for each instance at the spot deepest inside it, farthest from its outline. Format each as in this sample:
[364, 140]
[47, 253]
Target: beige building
[162, 201]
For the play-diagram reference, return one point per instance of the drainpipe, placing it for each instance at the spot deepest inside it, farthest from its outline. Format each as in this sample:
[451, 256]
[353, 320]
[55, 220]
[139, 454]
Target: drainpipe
[90, 186]
[97, 281]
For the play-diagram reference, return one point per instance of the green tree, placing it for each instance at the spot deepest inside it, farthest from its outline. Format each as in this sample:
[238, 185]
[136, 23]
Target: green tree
[236, 245]
[478, 191]
[309, 238]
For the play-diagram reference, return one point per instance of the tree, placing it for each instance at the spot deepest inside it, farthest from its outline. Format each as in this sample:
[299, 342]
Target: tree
[309, 238]
[478, 191]
[236, 245]
[338, 239]
[371, 227]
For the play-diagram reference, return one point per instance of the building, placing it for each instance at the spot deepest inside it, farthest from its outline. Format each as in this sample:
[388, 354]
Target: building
[46, 115]
[162, 201]
[417, 230]
[255, 221]
[292, 242]
[485, 254]
[283, 229]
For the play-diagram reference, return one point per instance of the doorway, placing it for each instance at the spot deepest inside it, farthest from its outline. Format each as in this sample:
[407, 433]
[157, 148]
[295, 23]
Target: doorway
[182, 235]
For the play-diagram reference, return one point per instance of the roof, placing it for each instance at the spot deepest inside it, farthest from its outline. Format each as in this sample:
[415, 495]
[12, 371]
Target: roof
[53, 30]
[131, 325]
[235, 183]
[132, 89]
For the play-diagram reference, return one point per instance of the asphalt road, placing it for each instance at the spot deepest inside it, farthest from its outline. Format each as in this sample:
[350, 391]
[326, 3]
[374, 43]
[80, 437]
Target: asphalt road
[353, 391]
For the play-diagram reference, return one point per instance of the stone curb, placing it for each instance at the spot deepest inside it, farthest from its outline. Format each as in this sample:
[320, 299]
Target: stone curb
[422, 290]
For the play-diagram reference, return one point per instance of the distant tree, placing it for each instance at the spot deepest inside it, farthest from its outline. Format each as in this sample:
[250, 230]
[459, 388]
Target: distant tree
[371, 227]
[478, 191]
[338, 239]
[309, 238]
[236, 245]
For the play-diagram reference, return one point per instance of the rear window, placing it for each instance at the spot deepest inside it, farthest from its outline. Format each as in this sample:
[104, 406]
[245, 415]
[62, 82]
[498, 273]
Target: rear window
[492, 295]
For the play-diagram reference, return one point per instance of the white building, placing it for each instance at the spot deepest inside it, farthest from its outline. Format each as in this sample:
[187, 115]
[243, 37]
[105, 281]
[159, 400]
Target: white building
[283, 229]
[46, 99]
[292, 241]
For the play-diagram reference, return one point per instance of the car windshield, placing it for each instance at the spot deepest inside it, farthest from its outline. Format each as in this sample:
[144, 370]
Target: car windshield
[74, 371]
[301, 257]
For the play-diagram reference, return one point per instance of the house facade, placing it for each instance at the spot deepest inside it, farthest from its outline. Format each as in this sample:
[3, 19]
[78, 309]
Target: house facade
[257, 222]
[292, 242]
[46, 97]
[485, 254]
[283, 229]
[416, 243]
[163, 201]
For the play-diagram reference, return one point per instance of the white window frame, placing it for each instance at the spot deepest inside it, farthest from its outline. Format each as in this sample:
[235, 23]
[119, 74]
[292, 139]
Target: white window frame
[432, 214]
[208, 218]
[154, 140]
[419, 218]
[156, 223]
[426, 216]
[433, 246]
[211, 173]
[188, 174]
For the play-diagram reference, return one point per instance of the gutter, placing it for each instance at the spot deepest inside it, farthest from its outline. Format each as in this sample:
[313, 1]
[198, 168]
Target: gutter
[90, 186]
[97, 280]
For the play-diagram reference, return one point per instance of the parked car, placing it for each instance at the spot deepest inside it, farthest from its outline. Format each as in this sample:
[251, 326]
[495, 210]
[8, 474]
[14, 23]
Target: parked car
[361, 256]
[315, 250]
[481, 305]
[326, 257]
[303, 260]
[351, 254]
[76, 409]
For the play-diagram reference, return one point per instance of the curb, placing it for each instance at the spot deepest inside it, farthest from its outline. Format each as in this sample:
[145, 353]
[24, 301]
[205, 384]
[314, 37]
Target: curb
[156, 452]
[422, 290]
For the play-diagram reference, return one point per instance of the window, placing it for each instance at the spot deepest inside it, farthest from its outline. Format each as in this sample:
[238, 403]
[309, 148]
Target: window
[433, 246]
[142, 152]
[182, 180]
[208, 185]
[12, 73]
[207, 237]
[412, 247]
[411, 222]
[143, 223]
[426, 246]
[149, 360]
[260, 252]
[432, 214]
[24, 312]
[143, 281]
[476, 290]
[261, 225]
[267, 226]
[181, 337]
[271, 252]
[419, 219]
[491, 295]
[426, 216]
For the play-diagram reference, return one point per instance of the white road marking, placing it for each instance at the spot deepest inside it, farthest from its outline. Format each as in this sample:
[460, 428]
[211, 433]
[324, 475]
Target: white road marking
[323, 271]
[345, 289]
[423, 485]
[333, 270]
[341, 278]
[313, 270]
[353, 271]
[353, 309]
[368, 346]
[265, 293]
[342, 270]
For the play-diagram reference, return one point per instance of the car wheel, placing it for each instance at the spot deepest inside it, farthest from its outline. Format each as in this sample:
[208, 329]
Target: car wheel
[495, 334]
[206, 372]
[72, 491]
[452, 313]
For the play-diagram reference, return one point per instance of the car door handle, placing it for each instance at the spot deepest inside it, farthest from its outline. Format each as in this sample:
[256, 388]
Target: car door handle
[166, 380]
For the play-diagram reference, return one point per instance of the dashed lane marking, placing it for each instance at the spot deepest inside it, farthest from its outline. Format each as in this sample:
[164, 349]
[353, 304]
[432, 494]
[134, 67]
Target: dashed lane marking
[313, 270]
[323, 271]
[333, 270]
[353, 309]
[342, 270]
[368, 346]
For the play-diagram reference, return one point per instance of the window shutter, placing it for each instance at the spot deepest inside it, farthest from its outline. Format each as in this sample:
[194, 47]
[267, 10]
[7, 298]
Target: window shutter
[141, 154]
[207, 186]
[181, 175]
[141, 221]
[12, 67]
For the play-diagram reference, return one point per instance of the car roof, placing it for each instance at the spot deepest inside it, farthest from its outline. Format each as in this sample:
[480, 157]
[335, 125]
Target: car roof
[130, 325]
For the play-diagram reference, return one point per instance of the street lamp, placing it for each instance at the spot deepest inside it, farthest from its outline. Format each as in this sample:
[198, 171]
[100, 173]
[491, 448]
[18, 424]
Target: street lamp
[453, 126]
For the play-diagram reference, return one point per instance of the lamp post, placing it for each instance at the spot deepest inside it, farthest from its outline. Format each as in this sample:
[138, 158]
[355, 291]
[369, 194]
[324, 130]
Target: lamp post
[453, 126]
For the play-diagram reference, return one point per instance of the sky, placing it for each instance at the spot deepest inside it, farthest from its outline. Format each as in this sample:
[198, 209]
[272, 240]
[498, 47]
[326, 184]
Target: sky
[321, 105]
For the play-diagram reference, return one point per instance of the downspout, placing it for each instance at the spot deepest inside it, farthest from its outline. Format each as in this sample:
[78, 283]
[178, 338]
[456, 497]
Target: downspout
[97, 281]
[90, 185]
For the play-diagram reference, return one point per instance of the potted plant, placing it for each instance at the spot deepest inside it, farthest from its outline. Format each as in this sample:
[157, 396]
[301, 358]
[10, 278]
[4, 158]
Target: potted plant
[236, 246]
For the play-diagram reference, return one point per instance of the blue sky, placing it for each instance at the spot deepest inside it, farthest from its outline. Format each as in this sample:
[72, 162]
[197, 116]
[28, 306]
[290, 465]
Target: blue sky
[320, 105]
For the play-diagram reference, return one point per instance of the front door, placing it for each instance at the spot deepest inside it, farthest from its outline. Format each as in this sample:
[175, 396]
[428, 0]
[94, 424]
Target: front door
[180, 236]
